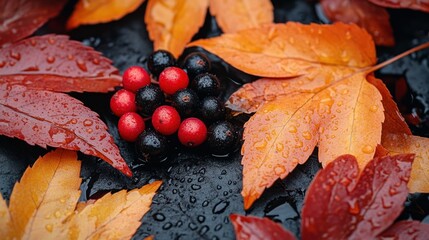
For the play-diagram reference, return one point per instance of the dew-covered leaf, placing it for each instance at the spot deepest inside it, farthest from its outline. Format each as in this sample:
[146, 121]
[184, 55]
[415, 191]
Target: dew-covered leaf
[53, 62]
[373, 18]
[293, 49]
[405, 230]
[21, 18]
[341, 204]
[412, 4]
[172, 24]
[100, 11]
[47, 118]
[248, 227]
[342, 118]
[235, 15]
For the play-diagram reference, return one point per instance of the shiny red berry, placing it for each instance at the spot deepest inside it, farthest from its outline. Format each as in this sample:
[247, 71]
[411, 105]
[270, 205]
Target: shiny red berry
[192, 132]
[134, 78]
[123, 101]
[173, 79]
[166, 120]
[130, 126]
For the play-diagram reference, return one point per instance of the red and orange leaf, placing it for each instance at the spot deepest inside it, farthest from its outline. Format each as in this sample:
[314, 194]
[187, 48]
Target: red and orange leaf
[4, 217]
[293, 49]
[58, 120]
[172, 24]
[403, 143]
[53, 62]
[340, 204]
[235, 15]
[100, 11]
[342, 118]
[406, 230]
[21, 18]
[254, 228]
[373, 18]
[421, 5]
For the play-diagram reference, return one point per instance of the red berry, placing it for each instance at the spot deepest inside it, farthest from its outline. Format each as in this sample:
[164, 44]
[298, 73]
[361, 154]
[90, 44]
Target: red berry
[192, 132]
[166, 120]
[130, 126]
[134, 78]
[173, 79]
[123, 101]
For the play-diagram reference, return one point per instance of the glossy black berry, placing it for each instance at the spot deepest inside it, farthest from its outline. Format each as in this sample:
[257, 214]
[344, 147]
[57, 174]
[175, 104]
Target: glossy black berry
[186, 102]
[212, 109]
[148, 98]
[222, 137]
[195, 64]
[151, 146]
[159, 60]
[206, 84]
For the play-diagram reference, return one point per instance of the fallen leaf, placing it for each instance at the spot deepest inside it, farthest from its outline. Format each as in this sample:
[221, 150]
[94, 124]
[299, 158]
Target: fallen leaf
[373, 18]
[53, 62]
[4, 217]
[403, 143]
[20, 18]
[42, 205]
[58, 120]
[405, 230]
[100, 11]
[233, 15]
[340, 204]
[248, 227]
[412, 4]
[293, 49]
[172, 24]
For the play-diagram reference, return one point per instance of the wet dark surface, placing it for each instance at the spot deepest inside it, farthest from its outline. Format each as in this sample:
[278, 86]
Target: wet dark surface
[200, 191]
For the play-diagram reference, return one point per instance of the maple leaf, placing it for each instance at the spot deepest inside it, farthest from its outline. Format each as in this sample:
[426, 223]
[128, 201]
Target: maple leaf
[100, 11]
[56, 119]
[42, 205]
[19, 19]
[405, 230]
[321, 97]
[53, 62]
[373, 18]
[258, 228]
[412, 4]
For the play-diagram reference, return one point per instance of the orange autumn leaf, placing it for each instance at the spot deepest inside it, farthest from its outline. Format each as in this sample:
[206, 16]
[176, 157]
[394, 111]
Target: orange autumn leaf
[235, 15]
[172, 24]
[100, 11]
[43, 204]
[373, 18]
[293, 49]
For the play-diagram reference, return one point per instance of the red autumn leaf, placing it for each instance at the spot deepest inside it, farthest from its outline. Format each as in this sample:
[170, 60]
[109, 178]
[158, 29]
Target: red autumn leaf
[341, 205]
[373, 18]
[405, 230]
[19, 19]
[58, 120]
[412, 4]
[53, 62]
[255, 228]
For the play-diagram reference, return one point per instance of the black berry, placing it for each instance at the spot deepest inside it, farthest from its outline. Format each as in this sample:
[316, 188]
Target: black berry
[186, 102]
[196, 63]
[148, 98]
[206, 84]
[151, 146]
[212, 109]
[159, 60]
[222, 137]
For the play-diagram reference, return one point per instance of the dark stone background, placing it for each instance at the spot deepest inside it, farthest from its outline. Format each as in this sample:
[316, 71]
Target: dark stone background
[200, 191]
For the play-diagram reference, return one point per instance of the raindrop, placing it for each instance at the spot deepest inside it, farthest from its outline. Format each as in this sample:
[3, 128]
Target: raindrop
[57, 214]
[201, 218]
[220, 207]
[204, 229]
[307, 135]
[2, 64]
[367, 149]
[292, 129]
[373, 108]
[260, 145]
[192, 226]
[279, 147]
[218, 187]
[205, 203]
[50, 59]
[200, 179]
[354, 207]
[96, 61]
[87, 122]
[223, 172]
[225, 193]
[49, 227]
[15, 55]
[279, 170]
[159, 217]
[218, 227]
[195, 187]
[192, 199]
[167, 226]
[81, 65]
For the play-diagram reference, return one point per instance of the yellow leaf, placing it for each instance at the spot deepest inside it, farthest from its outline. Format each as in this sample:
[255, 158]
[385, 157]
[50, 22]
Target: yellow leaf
[114, 215]
[172, 23]
[45, 196]
[4, 218]
[235, 15]
[100, 11]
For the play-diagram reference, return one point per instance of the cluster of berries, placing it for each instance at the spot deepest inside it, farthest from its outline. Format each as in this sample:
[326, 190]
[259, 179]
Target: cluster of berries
[180, 101]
